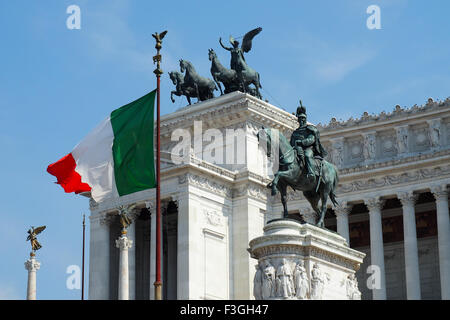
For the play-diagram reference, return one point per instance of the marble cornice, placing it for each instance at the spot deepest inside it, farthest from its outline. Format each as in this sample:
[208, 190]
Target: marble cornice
[399, 116]
[227, 109]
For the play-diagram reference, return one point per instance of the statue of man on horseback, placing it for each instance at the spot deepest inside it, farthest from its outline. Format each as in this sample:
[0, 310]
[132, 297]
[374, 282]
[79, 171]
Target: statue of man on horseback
[306, 142]
[301, 166]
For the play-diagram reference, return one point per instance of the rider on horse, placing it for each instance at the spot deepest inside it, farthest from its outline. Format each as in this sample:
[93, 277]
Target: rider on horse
[306, 141]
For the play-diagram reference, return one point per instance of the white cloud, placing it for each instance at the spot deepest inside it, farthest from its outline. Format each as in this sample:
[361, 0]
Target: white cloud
[326, 61]
[338, 66]
[8, 292]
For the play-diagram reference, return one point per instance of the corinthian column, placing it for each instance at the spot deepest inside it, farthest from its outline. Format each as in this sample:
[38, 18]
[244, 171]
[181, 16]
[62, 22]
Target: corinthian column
[32, 266]
[123, 243]
[408, 200]
[443, 224]
[376, 245]
[342, 213]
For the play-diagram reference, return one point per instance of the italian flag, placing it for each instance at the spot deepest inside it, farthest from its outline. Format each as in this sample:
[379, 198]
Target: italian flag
[116, 158]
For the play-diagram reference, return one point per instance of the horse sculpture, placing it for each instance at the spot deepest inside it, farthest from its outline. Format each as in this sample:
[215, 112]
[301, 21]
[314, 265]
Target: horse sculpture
[291, 173]
[204, 87]
[181, 90]
[221, 74]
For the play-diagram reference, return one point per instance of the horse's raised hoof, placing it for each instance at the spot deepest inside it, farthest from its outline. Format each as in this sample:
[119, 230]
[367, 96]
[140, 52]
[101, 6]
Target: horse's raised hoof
[274, 192]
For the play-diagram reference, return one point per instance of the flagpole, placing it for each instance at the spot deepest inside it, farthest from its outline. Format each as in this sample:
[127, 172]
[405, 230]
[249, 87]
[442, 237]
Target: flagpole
[158, 72]
[82, 262]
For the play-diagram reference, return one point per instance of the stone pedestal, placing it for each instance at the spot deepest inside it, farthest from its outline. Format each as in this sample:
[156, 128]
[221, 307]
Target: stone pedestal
[32, 266]
[123, 243]
[304, 262]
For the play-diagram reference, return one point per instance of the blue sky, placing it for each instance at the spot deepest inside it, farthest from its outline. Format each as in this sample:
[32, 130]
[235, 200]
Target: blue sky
[58, 84]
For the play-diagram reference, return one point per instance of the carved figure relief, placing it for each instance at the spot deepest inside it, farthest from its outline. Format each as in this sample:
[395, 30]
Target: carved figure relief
[301, 281]
[284, 281]
[258, 282]
[435, 133]
[369, 147]
[338, 153]
[353, 292]
[318, 279]
[268, 283]
[402, 139]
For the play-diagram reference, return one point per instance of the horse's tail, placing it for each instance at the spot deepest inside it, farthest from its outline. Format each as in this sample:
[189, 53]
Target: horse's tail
[335, 183]
[259, 81]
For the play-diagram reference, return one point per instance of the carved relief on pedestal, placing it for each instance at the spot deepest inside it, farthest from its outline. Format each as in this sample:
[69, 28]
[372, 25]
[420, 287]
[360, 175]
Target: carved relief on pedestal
[284, 280]
[268, 281]
[301, 281]
[351, 286]
[318, 281]
[288, 280]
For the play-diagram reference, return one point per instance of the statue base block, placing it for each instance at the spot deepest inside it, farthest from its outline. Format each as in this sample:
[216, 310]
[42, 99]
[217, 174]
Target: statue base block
[303, 262]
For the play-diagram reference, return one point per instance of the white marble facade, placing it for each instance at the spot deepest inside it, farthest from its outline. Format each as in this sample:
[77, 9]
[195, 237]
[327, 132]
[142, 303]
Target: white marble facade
[221, 207]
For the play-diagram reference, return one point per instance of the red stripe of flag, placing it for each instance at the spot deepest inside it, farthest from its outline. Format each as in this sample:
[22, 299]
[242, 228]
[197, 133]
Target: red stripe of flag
[68, 178]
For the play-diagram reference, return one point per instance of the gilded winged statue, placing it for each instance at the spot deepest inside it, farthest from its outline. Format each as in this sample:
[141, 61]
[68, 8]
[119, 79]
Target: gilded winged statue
[32, 233]
[124, 215]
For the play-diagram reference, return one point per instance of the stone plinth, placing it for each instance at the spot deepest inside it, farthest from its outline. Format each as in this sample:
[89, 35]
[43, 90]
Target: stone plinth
[304, 262]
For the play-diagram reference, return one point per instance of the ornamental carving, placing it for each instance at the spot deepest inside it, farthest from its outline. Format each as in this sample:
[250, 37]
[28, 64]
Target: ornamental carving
[397, 113]
[369, 146]
[213, 217]
[408, 199]
[392, 180]
[374, 204]
[206, 184]
[440, 192]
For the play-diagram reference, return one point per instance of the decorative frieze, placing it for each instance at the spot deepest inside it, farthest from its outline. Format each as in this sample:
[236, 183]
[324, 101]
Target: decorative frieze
[393, 180]
[205, 183]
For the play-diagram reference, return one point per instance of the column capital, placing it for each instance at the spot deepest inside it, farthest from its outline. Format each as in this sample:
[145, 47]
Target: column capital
[343, 209]
[106, 218]
[374, 204]
[440, 192]
[32, 265]
[123, 243]
[150, 204]
[408, 199]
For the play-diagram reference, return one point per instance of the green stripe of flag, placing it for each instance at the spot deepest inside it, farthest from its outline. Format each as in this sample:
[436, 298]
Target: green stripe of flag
[134, 166]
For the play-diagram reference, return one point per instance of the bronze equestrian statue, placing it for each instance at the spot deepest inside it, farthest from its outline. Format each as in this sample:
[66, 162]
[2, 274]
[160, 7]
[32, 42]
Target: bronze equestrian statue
[302, 167]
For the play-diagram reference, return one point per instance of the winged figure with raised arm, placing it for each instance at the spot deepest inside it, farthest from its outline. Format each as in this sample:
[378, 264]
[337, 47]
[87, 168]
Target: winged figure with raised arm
[245, 74]
[32, 233]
